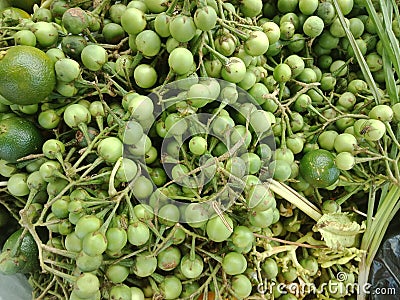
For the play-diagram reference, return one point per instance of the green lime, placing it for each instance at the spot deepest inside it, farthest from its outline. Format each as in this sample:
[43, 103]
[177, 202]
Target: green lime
[27, 75]
[27, 254]
[18, 138]
[318, 168]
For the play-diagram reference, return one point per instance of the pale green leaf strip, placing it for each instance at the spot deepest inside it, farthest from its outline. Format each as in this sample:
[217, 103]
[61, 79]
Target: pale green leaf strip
[389, 79]
[382, 223]
[396, 11]
[387, 12]
[371, 205]
[360, 58]
[293, 197]
[382, 33]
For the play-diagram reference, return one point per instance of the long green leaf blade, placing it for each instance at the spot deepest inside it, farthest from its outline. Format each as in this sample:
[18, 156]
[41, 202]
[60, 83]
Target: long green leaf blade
[360, 58]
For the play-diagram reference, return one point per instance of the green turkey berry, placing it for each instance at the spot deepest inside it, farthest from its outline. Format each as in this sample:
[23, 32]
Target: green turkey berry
[287, 6]
[313, 26]
[234, 263]
[296, 64]
[148, 43]
[347, 100]
[191, 268]
[133, 20]
[87, 263]
[72, 45]
[336, 28]
[51, 147]
[117, 273]
[234, 70]
[17, 185]
[141, 5]
[25, 37]
[161, 25]
[198, 145]
[226, 43]
[381, 112]
[272, 31]
[86, 285]
[120, 291]
[169, 215]
[110, 149]
[94, 57]
[308, 75]
[339, 68]
[261, 121]
[356, 27]
[115, 12]
[42, 14]
[180, 60]
[67, 69]
[55, 54]
[170, 287]
[396, 111]
[242, 236]
[248, 81]
[357, 86]
[205, 18]
[257, 43]
[374, 62]
[182, 28]
[345, 161]
[117, 238]
[141, 107]
[251, 8]
[282, 73]
[346, 6]
[145, 76]
[131, 132]
[138, 233]
[270, 268]
[127, 170]
[371, 130]
[137, 293]
[46, 33]
[75, 20]
[326, 11]
[261, 218]
[169, 258]
[241, 285]
[310, 264]
[290, 17]
[345, 142]
[287, 30]
[216, 228]
[87, 224]
[142, 187]
[308, 7]
[144, 264]
[143, 212]
[252, 161]
[326, 139]
[156, 6]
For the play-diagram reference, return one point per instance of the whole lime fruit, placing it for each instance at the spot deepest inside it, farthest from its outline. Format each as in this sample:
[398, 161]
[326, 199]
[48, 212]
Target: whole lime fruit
[27, 75]
[18, 138]
[318, 168]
